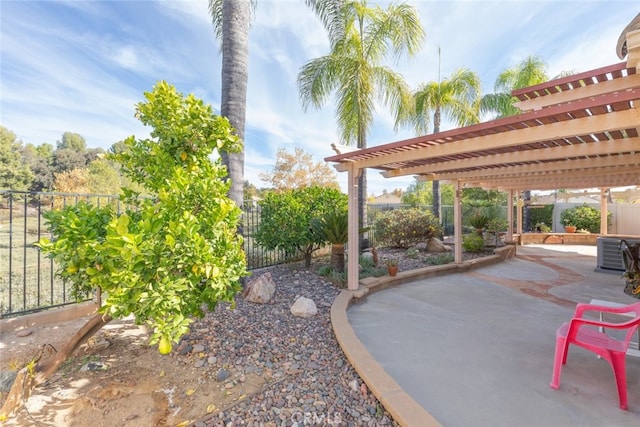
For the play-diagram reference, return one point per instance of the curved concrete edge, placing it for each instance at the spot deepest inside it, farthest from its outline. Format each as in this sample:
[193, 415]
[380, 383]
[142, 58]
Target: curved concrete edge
[53, 315]
[402, 407]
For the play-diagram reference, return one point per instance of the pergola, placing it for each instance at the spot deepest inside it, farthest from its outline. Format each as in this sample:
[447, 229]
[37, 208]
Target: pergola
[580, 131]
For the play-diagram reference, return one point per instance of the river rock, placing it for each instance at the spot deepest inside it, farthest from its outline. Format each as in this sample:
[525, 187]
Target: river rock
[261, 289]
[304, 307]
[436, 245]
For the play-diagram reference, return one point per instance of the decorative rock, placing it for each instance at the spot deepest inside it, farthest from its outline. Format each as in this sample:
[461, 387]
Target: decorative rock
[367, 255]
[422, 246]
[199, 363]
[222, 375]
[436, 245]
[6, 380]
[98, 344]
[184, 349]
[23, 333]
[197, 348]
[94, 366]
[212, 360]
[304, 307]
[260, 290]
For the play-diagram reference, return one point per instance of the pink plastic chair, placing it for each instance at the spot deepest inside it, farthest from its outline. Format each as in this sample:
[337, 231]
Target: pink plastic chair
[589, 334]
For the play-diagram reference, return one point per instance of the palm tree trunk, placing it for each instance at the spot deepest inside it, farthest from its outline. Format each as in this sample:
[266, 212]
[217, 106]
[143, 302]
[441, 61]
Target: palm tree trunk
[435, 191]
[435, 184]
[235, 74]
[337, 257]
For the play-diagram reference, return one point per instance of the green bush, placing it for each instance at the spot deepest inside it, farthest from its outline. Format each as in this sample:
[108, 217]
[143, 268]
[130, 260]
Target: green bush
[473, 243]
[439, 259]
[287, 217]
[583, 217]
[479, 222]
[543, 215]
[168, 256]
[339, 279]
[403, 228]
[541, 227]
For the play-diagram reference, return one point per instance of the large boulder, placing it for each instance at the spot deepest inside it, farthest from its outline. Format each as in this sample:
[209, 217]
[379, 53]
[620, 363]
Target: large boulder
[261, 289]
[436, 245]
[304, 307]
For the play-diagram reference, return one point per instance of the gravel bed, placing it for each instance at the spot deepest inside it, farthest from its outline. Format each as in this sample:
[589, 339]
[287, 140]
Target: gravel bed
[309, 373]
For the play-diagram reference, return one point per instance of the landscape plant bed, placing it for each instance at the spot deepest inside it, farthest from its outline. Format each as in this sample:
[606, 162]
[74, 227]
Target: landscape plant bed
[256, 363]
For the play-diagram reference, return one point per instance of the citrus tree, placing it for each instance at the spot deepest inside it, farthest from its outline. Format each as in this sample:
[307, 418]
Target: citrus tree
[287, 218]
[174, 250]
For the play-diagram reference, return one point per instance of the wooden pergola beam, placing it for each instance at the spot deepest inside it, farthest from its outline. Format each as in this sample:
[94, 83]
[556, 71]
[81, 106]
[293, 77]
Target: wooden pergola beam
[547, 154]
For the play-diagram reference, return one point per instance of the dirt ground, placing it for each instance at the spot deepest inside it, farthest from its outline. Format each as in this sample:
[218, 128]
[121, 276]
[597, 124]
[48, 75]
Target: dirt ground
[128, 383]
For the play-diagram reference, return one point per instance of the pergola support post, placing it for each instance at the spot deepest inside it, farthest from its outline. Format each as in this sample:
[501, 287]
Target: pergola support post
[519, 211]
[604, 211]
[457, 222]
[510, 216]
[353, 237]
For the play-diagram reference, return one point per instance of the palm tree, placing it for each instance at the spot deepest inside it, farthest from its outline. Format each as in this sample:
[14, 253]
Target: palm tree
[361, 39]
[529, 72]
[334, 228]
[231, 19]
[457, 98]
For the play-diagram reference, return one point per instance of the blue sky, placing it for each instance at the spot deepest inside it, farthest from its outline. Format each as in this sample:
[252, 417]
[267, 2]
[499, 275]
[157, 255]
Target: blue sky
[81, 66]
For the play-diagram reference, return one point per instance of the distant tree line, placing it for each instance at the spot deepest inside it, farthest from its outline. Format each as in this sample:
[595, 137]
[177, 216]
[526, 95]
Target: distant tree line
[71, 167]
[68, 167]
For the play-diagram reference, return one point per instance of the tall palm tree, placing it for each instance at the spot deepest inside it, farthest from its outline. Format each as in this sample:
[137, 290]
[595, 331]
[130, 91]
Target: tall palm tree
[531, 71]
[231, 19]
[457, 97]
[361, 39]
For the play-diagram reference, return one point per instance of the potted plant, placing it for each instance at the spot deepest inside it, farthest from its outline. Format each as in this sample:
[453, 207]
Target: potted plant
[569, 226]
[631, 259]
[392, 266]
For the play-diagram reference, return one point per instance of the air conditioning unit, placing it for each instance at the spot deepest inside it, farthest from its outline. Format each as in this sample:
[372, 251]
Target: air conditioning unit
[610, 254]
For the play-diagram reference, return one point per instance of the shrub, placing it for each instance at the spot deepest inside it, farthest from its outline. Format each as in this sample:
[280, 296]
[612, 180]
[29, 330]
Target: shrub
[582, 217]
[403, 228]
[287, 217]
[413, 253]
[439, 259]
[541, 227]
[339, 279]
[473, 243]
[172, 254]
[543, 215]
[479, 222]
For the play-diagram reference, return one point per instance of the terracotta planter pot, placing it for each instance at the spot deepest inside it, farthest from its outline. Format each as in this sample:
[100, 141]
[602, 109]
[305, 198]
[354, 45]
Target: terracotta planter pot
[569, 228]
[393, 270]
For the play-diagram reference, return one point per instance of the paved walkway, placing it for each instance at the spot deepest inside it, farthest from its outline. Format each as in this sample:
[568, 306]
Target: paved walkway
[476, 348]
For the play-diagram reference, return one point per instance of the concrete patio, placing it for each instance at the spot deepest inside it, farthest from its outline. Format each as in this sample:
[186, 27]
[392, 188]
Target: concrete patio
[476, 348]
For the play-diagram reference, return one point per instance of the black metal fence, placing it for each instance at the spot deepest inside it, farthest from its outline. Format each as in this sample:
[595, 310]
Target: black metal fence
[27, 278]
